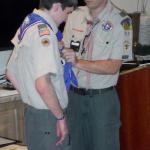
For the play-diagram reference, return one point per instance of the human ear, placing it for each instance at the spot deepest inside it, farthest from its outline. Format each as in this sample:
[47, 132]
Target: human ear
[56, 6]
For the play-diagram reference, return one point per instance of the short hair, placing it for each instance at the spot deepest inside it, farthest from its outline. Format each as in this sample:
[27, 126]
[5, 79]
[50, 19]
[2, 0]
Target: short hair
[47, 4]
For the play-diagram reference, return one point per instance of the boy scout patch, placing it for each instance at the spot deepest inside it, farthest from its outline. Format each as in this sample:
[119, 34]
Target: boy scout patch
[126, 23]
[43, 30]
[107, 26]
[45, 42]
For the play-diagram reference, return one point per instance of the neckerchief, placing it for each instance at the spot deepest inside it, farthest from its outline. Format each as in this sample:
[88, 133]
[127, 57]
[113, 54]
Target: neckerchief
[33, 19]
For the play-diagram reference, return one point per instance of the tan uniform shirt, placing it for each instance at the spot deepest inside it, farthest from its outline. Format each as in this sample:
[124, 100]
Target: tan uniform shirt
[112, 37]
[37, 55]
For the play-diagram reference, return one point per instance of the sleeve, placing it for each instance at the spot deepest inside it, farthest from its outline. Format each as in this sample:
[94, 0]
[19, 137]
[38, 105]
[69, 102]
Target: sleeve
[128, 38]
[122, 42]
[11, 65]
[44, 49]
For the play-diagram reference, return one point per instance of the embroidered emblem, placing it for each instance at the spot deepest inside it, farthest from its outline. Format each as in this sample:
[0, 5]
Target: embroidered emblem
[45, 42]
[126, 23]
[127, 45]
[43, 30]
[107, 26]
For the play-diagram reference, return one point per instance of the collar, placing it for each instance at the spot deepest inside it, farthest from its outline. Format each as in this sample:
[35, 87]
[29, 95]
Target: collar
[105, 11]
[47, 18]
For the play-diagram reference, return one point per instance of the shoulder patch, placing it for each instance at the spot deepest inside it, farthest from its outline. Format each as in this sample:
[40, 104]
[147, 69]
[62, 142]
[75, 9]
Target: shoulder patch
[127, 23]
[43, 30]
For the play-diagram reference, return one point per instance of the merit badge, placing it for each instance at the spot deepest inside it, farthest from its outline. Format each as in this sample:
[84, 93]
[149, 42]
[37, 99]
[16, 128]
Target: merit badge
[126, 23]
[43, 30]
[45, 42]
[107, 26]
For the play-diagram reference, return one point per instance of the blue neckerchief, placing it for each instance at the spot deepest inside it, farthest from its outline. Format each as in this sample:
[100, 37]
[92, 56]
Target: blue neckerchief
[69, 76]
[33, 19]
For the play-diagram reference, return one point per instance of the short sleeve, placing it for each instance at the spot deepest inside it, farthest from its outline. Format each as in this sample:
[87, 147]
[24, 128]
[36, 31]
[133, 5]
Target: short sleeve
[122, 42]
[128, 38]
[44, 54]
[117, 43]
[11, 65]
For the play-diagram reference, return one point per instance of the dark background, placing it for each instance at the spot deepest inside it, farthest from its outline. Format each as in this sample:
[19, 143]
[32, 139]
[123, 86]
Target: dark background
[12, 13]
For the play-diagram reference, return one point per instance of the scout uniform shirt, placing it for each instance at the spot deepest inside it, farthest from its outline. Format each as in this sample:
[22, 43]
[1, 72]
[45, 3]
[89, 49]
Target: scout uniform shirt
[112, 39]
[36, 55]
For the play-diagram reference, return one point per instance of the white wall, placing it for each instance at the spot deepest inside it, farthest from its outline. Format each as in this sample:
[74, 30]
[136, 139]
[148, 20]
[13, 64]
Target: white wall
[131, 5]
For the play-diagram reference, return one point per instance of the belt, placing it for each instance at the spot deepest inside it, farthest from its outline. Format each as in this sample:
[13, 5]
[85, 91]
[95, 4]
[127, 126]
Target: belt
[90, 92]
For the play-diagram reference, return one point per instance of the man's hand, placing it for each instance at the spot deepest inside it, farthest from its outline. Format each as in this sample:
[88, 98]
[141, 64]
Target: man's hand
[70, 56]
[62, 131]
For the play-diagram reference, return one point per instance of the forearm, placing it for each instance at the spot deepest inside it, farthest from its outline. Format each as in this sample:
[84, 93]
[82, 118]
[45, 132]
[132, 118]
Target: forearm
[99, 66]
[110, 66]
[48, 94]
[12, 79]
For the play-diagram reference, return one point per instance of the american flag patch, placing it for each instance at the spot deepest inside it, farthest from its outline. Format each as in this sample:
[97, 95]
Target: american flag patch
[43, 30]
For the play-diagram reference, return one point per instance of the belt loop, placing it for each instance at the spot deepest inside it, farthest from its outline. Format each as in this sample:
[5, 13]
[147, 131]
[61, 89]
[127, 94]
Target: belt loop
[100, 91]
[91, 93]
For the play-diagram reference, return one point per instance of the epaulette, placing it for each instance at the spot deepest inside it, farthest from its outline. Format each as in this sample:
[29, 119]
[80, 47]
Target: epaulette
[123, 13]
[81, 8]
[77, 9]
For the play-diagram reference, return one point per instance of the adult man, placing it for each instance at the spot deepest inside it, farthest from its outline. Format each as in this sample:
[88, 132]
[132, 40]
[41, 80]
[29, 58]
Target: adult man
[94, 110]
[36, 71]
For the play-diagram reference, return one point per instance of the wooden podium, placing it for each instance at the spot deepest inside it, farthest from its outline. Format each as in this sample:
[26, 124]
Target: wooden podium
[134, 92]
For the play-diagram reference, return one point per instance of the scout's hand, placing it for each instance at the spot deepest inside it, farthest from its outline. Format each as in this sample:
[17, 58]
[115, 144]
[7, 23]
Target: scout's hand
[62, 131]
[70, 56]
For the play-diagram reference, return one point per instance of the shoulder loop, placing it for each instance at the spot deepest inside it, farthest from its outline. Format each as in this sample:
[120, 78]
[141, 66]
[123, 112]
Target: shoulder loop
[123, 13]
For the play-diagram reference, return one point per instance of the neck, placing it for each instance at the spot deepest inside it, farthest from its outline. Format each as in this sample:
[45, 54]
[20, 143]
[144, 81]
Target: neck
[94, 12]
[52, 15]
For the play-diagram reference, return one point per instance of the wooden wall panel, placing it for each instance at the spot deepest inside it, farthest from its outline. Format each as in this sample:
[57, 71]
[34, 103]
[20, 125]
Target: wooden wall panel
[134, 93]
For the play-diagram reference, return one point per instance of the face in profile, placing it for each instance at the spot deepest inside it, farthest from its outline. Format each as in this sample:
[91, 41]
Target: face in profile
[64, 13]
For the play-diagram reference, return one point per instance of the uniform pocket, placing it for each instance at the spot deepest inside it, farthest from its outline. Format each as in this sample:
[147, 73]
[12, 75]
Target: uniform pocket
[112, 136]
